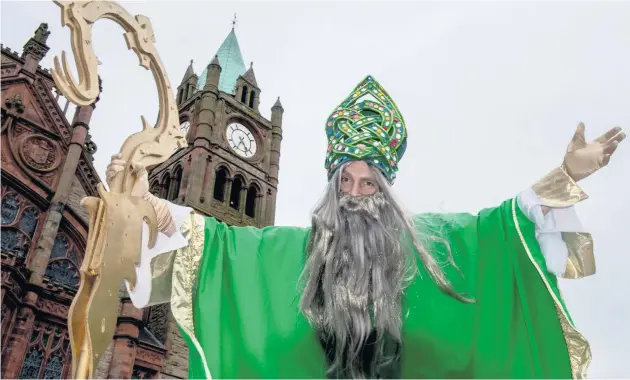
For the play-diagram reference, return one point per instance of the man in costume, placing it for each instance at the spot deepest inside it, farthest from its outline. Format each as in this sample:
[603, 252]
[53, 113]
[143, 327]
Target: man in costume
[368, 291]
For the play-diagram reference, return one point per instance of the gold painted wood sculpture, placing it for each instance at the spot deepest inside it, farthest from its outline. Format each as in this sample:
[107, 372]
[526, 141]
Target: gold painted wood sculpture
[115, 219]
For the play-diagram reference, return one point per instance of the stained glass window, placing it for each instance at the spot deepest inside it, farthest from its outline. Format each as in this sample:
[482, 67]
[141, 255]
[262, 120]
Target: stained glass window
[32, 364]
[10, 206]
[60, 247]
[28, 221]
[74, 258]
[48, 354]
[63, 272]
[13, 241]
[53, 368]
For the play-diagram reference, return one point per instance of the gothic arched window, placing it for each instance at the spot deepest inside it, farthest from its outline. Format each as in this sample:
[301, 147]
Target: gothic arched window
[252, 96]
[14, 242]
[10, 206]
[19, 222]
[250, 203]
[155, 188]
[63, 272]
[219, 184]
[177, 182]
[165, 187]
[28, 221]
[32, 364]
[235, 194]
[64, 262]
[244, 94]
[48, 353]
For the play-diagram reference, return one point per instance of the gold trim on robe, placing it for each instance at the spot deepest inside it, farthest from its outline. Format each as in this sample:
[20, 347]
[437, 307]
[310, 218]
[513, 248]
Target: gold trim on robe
[577, 345]
[186, 264]
[558, 189]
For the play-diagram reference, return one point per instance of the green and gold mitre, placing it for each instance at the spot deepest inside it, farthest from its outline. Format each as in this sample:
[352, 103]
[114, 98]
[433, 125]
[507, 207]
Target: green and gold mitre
[368, 127]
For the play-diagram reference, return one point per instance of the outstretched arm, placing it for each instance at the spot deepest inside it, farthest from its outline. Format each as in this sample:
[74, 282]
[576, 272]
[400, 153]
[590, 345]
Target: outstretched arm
[549, 203]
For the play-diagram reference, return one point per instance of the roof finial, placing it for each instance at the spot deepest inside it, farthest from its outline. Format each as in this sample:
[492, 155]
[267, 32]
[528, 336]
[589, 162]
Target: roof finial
[234, 22]
[191, 61]
[251, 65]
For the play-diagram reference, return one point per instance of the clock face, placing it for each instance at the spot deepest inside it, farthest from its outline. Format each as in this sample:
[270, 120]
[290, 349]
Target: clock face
[241, 140]
[184, 127]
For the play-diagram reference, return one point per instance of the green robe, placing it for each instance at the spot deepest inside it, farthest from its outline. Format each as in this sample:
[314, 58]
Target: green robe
[235, 296]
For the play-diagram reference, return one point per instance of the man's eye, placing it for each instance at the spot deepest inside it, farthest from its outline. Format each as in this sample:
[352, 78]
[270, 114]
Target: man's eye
[345, 179]
[369, 184]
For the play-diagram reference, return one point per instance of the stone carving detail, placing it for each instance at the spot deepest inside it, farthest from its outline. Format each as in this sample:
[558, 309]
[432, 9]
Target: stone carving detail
[40, 153]
[15, 104]
[36, 46]
[52, 307]
[19, 130]
[90, 147]
[42, 33]
[149, 356]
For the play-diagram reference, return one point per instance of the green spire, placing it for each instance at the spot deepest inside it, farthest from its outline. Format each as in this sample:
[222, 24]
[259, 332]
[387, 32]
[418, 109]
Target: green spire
[232, 65]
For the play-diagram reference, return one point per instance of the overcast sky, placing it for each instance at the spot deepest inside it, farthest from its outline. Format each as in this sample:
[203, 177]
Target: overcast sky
[491, 92]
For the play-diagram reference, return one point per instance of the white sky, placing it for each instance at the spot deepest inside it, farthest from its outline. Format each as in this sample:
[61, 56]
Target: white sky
[491, 92]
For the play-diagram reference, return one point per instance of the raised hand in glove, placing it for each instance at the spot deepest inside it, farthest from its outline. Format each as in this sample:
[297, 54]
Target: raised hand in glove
[585, 158]
[141, 189]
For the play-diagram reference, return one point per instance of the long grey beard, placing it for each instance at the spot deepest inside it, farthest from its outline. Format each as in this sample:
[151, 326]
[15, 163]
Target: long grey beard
[355, 273]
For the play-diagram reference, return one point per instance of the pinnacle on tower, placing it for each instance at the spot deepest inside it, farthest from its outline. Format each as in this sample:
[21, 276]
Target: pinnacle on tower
[36, 46]
[190, 72]
[249, 75]
[277, 104]
[215, 61]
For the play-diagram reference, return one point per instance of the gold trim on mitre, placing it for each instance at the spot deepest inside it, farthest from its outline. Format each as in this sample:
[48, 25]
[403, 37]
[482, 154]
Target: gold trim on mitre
[558, 189]
[578, 348]
[185, 273]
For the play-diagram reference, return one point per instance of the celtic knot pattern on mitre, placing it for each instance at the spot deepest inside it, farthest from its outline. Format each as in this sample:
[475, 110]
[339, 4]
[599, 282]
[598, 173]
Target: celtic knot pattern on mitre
[368, 127]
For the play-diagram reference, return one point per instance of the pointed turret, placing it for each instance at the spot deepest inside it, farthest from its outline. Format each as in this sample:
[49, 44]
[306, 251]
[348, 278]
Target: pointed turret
[277, 104]
[247, 90]
[190, 72]
[188, 86]
[213, 74]
[208, 104]
[274, 158]
[249, 75]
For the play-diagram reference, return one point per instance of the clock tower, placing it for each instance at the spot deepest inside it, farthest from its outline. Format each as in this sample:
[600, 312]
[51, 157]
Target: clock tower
[230, 168]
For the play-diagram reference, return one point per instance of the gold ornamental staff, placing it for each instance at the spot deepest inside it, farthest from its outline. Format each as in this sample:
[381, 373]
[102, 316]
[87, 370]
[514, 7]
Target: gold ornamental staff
[108, 258]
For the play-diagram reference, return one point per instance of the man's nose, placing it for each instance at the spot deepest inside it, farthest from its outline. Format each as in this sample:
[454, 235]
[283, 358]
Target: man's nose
[355, 191]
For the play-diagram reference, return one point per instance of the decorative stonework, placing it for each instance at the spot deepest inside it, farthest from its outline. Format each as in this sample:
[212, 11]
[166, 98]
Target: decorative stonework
[149, 356]
[52, 307]
[15, 104]
[63, 125]
[40, 153]
[36, 46]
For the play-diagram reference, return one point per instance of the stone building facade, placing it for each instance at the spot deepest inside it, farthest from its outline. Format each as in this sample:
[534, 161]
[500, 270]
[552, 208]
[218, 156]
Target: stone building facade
[229, 171]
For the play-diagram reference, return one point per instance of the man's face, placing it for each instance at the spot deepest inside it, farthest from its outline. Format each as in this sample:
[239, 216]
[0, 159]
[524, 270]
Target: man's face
[357, 180]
